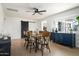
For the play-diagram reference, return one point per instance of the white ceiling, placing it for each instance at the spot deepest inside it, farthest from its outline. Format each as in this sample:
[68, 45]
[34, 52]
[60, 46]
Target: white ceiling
[52, 8]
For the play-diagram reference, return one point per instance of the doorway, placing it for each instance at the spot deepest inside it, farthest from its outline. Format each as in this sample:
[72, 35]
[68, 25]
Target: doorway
[24, 27]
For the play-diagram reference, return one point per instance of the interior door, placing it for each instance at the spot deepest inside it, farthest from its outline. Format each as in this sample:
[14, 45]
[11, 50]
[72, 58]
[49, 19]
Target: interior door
[24, 27]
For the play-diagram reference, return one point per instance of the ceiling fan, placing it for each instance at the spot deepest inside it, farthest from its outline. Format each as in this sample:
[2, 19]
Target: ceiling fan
[36, 10]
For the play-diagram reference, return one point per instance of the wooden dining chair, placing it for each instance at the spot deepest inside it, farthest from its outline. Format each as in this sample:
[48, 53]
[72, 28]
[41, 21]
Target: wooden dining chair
[28, 34]
[45, 41]
[31, 41]
[26, 37]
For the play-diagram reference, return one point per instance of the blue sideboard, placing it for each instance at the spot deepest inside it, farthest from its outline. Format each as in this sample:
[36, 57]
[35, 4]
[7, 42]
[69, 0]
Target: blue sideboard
[67, 39]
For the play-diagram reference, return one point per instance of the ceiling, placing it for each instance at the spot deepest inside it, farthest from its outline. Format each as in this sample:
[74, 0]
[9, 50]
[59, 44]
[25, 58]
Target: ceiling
[52, 8]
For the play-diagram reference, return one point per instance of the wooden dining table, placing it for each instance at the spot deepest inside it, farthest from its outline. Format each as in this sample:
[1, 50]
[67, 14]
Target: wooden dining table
[38, 41]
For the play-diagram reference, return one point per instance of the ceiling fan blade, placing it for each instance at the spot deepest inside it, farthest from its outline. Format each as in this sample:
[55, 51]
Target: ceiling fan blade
[29, 11]
[34, 13]
[42, 11]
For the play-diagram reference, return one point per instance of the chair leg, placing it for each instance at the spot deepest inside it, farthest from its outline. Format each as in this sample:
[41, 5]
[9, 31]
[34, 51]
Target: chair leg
[36, 47]
[42, 52]
[42, 49]
[48, 47]
[24, 43]
[27, 45]
[30, 49]
[31, 46]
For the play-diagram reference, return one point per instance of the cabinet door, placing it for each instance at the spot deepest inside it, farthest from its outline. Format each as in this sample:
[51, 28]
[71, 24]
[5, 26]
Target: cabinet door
[5, 49]
[58, 37]
[67, 39]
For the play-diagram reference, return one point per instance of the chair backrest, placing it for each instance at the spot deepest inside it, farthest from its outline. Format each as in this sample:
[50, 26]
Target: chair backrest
[45, 37]
[40, 32]
[29, 33]
[26, 33]
[45, 34]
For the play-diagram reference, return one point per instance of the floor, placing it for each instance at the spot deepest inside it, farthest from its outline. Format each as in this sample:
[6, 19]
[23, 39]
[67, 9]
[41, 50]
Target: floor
[18, 49]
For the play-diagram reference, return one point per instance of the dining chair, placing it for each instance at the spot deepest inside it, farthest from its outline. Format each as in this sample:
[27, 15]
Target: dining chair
[44, 41]
[31, 41]
[26, 38]
[28, 33]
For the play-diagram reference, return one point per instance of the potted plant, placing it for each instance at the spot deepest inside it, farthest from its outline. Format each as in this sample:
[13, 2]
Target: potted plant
[77, 19]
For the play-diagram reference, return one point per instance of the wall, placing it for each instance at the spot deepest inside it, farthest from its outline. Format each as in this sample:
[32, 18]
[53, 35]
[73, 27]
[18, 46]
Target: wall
[53, 19]
[1, 18]
[12, 26]
[32, 26]
[69, 14]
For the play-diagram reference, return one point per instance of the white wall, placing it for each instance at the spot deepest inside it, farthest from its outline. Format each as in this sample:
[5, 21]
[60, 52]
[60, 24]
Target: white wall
[69, 14]
[39, 25]
[12, 26]
[1, 18]
[53, 19]
[77, 39]
[32, 26]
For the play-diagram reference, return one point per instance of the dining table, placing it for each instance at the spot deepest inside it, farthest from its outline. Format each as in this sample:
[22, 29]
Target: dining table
[38, 41]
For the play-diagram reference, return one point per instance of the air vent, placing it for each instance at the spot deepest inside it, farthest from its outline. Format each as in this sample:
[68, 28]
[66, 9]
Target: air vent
[32, 22]
[10, 9]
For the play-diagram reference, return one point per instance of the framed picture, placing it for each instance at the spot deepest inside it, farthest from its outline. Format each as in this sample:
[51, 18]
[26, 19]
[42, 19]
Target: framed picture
[59, 26]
